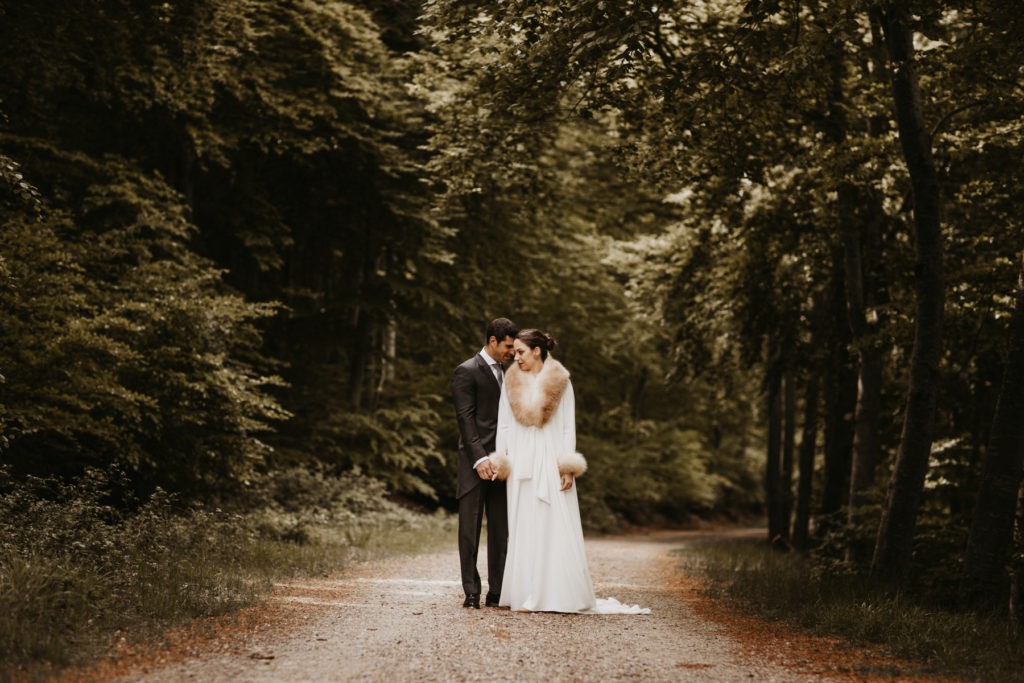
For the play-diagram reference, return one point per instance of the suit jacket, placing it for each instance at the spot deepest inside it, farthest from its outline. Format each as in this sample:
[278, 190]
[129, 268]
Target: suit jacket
[476, 392]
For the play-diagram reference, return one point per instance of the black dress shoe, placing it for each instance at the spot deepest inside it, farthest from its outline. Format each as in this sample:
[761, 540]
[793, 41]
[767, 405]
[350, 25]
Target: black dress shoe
[491, 600]
[472, 600]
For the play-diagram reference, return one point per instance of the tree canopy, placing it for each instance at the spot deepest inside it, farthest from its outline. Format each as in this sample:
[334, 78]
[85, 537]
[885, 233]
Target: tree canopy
[778, 244]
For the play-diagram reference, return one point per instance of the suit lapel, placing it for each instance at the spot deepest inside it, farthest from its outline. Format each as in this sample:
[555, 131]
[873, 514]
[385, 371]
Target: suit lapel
[485, 367]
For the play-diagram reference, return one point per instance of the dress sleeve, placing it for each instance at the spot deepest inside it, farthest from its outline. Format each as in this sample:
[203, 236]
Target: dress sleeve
[568, 411]
[504, 423]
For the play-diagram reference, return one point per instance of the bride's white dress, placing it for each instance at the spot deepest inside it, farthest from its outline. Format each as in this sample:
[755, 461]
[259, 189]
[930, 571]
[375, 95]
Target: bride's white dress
[546, 566]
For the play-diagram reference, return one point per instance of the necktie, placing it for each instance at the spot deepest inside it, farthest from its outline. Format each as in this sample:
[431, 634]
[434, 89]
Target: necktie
[500, 375]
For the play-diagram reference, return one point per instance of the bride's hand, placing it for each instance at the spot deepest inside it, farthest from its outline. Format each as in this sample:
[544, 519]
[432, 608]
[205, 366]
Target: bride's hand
[567, 480]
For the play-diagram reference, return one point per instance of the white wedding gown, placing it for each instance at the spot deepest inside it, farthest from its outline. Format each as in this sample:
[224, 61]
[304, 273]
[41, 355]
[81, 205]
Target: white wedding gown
[546, 566]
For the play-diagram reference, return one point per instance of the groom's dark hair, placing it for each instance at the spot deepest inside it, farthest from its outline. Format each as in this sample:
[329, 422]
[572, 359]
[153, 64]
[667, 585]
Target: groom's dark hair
[499, 328]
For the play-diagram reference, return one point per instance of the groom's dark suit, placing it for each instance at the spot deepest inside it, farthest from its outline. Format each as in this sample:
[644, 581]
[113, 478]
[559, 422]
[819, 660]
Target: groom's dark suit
[476, 391]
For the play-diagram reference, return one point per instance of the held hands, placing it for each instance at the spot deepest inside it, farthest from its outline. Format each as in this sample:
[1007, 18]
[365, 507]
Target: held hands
[486, 470]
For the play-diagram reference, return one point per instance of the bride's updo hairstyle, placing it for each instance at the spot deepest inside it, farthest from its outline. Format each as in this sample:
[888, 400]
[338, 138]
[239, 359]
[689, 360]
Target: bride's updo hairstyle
[537, 339]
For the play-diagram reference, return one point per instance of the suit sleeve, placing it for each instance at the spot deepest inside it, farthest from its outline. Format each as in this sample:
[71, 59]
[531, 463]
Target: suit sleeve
[568, 411]
[464, 393]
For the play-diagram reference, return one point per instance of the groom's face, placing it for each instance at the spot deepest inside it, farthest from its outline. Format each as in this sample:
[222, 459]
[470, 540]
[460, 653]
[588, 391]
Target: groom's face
[501, 351]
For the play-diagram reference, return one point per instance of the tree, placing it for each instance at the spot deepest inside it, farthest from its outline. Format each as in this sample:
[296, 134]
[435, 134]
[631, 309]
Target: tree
[985, 580]
[896, 531]
[121, 346]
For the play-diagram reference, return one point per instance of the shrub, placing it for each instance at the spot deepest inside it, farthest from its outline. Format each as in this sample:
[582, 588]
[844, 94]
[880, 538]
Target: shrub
[776, 585]
[122, 345]
[74, 570]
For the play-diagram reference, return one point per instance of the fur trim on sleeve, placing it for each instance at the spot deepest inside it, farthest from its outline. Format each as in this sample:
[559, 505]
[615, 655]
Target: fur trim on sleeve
[502, 464]
[572, 463]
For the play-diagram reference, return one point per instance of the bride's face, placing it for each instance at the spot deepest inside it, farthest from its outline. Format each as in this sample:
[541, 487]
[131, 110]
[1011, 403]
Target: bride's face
[527, 359]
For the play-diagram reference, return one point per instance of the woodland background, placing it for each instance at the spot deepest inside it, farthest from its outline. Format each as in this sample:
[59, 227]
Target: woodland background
[245, 242]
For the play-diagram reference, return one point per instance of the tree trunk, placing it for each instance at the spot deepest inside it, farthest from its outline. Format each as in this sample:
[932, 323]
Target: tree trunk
[866, 443]
[388, 354]
[362, 353]
[788, 448]
[854, 227]
[985, 580]
[1017, 570]
[867, 447]
[773, 459]
[896, 531]
[808, 439]
[840, 402]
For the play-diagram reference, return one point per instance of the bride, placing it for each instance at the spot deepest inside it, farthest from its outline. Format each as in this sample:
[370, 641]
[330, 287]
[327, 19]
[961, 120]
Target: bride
[546, 566]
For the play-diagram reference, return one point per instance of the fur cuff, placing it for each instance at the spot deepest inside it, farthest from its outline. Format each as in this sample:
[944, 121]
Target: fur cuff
[572, 463]
[502, 464]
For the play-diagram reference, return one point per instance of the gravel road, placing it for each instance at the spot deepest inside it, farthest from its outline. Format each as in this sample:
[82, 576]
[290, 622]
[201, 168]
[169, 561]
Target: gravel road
[402, 620]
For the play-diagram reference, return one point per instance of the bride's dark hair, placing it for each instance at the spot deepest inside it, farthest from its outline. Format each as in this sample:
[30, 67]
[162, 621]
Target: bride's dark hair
[538, 339]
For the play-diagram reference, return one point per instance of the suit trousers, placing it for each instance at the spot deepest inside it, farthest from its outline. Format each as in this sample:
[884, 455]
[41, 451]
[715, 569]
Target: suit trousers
[489, 497]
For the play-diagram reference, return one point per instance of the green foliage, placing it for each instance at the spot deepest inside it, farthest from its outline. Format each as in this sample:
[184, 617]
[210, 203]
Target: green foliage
[76, 567]
[520, 178]
[666, 188]
[782, 586]
[657, 186]
[278, 141]
[122, 345]
[398, 442]
[395, 443]
[14, 183]
[648, 472]
[76, 572]
[770, 127]
[385, 203]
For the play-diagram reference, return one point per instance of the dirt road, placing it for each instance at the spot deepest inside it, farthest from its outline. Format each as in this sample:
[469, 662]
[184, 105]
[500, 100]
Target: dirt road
[402, 620]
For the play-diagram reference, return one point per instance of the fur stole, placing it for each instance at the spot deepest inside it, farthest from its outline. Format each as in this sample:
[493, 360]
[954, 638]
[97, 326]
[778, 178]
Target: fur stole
[534, 399]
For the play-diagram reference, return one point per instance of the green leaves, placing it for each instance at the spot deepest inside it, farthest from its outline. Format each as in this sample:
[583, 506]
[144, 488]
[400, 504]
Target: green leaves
[122, 346]
[279, 140]
[14, 183]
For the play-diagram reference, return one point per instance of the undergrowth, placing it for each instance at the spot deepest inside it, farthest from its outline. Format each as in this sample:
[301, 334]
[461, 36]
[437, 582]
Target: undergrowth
[774, 585]
[76, 573]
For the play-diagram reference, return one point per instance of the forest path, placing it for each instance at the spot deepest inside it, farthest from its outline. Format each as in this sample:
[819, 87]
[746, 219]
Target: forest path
[401, 620]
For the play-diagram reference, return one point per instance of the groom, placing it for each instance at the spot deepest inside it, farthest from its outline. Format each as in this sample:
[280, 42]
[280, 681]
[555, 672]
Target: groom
[476, 388]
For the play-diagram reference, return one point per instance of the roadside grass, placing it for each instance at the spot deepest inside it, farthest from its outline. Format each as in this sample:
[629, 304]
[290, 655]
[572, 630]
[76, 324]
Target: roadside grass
[77, 575]
[757, 580]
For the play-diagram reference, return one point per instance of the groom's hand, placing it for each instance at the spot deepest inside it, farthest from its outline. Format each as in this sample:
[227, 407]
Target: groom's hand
[486, 470]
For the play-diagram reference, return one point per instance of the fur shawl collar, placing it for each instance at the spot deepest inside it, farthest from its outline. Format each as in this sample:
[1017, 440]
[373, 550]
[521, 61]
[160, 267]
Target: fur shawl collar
[534, 398]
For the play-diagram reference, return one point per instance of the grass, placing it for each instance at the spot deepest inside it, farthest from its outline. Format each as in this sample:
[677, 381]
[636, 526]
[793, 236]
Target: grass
[77, 575]
[772, 585]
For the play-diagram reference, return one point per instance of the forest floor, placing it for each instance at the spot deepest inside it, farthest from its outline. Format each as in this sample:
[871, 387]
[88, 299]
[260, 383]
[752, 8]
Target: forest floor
[402, 619]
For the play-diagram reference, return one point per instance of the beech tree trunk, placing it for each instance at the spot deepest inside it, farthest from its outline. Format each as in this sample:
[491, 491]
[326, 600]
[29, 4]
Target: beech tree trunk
[1016, 570]
[788, 449]
[896, 532]
[808, 439]
[866, 443]
[773, 459]
[389, 354]
[985, 581]
[855, 224]
[840, 402]
[362, 352]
